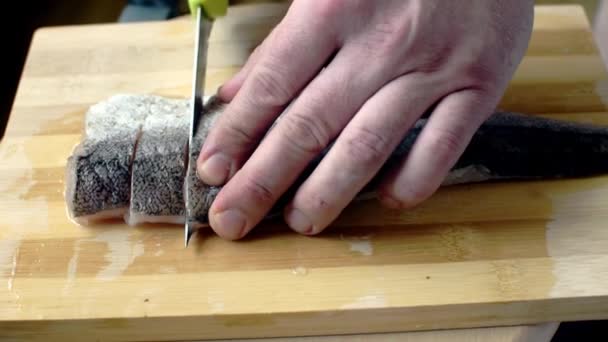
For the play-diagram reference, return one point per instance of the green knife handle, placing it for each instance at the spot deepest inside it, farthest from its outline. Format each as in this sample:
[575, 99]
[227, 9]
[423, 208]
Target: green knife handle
[211, 8]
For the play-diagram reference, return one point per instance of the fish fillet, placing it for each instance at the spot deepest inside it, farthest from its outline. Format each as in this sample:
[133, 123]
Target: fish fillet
[159, 165]
[508, 146]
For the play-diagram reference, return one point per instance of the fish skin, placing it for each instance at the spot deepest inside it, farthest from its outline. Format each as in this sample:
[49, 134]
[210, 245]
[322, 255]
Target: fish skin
[99, 178]
[518, 146]
[507, 146]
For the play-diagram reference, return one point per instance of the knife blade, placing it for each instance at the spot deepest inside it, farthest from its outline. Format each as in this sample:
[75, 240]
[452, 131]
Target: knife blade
[202, 32]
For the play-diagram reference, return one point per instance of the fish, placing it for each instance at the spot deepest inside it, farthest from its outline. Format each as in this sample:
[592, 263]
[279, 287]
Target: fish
[507, 146]
[98, 173]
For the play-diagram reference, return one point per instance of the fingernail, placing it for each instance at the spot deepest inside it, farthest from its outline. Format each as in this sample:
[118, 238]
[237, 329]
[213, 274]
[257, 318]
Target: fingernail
[230, 222]
[299, 222]
[215, 170]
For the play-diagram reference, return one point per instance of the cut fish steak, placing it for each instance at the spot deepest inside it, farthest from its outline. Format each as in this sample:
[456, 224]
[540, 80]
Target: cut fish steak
[132, 159]
[159, 165]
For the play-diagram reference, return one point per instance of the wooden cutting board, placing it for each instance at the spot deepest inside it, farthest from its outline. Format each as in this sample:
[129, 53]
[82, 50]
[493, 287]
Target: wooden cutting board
[471, 256]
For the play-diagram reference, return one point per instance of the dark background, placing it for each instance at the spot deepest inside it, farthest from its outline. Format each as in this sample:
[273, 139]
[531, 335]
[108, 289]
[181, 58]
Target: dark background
[26, 16]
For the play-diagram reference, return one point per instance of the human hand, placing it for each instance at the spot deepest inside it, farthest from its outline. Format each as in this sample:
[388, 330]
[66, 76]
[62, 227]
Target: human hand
[386, 63]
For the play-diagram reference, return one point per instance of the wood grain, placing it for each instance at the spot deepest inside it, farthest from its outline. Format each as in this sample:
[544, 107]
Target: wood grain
[471, 256]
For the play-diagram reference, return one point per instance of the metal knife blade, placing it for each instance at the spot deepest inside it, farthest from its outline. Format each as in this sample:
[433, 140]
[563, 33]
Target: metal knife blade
[201, 43]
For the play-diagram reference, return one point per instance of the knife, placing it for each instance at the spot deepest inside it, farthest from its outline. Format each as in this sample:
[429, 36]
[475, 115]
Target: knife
[206, 12]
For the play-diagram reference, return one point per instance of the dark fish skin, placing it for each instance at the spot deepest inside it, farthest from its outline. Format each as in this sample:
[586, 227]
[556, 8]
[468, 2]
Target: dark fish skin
[157, 175]
[507, 146]
[98, 177]
[516, 146]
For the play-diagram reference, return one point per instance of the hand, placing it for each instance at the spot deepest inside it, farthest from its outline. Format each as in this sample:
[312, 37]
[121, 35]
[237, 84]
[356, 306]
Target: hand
[363, 72]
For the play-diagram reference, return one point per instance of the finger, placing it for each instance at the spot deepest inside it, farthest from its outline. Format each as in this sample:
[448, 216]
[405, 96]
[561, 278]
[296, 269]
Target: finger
[229, 89]
[315, 118]
[439, 145]
[290, 59]
[359, 152]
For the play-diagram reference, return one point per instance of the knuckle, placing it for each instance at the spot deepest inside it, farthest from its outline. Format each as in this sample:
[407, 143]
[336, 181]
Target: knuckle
[390, 34]
[236, 132]
[367, 147]
[307, 133]
[477, 67]
[260, 192]
[445, 144]
[481, 73]
[380, 48]
[385, 38]
[329, 9]
[434, 60]
[270, 88]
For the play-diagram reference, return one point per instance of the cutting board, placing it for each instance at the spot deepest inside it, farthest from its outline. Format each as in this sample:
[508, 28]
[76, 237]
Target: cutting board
[471, 256]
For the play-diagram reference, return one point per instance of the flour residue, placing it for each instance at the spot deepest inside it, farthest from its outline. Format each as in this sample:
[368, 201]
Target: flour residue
[215, 299]
[14, 193]
[363, 247]
[8, 260]
[121, 252]
[299, 270]
[72, 268]
[360, 244]
[13, 270]
[366, 302]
